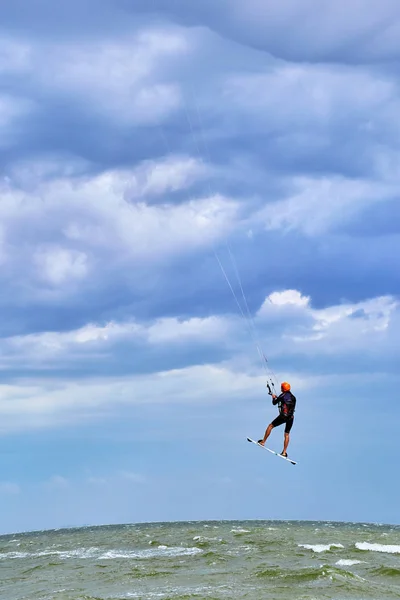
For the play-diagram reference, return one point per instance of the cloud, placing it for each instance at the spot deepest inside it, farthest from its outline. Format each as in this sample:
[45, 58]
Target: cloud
[291, 329]
[157, 178]
[111, 208]
[7, 487]
[369, 37]
[12, 109]
[103, 235]
[112, 479]
[291, 297]
[134, 477]
[98, 345]
[316, 92]
[14, 55]
[327, 32]
[64, 403]
[58, 482]
[123, 79]
[57, 265]
[323, 204]
[286, 315]
[97, 480]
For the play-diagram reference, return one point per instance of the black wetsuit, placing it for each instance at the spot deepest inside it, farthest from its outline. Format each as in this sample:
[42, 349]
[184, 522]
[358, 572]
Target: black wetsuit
[286, 402]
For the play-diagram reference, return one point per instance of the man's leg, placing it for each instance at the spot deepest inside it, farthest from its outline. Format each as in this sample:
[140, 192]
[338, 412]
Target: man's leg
[266, 434]
[286, 437]
[278, 421]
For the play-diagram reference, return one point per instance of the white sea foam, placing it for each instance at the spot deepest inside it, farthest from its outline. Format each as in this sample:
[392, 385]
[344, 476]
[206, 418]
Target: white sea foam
[156, 552]
[388, 548]
[5, 555]
[77, 553]
[348, 562]
[203, 590]
[239, 530]
[320, 547]
[84, 553]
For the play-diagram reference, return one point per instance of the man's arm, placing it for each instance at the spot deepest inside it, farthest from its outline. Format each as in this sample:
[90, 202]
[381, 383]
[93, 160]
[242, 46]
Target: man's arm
[275, 399]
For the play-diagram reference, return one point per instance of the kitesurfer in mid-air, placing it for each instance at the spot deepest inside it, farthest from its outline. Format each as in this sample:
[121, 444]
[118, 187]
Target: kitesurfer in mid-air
[286, 403]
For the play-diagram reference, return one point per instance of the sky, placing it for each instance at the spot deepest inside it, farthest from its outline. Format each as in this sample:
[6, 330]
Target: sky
[183, 185]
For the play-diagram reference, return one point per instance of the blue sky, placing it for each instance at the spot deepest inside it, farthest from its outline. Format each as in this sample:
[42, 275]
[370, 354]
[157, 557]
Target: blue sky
[138, 142]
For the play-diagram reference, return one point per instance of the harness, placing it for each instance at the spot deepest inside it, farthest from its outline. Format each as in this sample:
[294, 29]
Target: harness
[286, 404]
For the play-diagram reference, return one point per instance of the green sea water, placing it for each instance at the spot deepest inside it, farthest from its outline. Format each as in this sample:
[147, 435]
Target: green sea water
[210, 560]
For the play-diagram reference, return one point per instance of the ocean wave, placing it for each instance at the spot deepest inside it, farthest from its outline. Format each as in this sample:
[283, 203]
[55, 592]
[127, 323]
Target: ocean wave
[387, 571]
[201, 539]
[96, 553]
[239, 530]
[307, 574]
[185, 592]
[320, 547]
[348, 562]
[77, 553]
[388, 548]
[154, 553]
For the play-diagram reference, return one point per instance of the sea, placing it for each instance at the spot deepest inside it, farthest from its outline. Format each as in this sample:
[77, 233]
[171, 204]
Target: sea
[217, 560]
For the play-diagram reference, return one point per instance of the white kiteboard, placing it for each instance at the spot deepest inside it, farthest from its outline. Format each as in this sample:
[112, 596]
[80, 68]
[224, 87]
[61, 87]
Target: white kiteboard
[272, 451]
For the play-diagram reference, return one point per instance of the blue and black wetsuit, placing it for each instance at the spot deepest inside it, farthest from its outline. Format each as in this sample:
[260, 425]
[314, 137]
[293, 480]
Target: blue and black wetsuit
[287, 403]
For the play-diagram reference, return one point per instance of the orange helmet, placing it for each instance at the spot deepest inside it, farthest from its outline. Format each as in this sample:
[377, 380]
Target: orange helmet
[285, 386]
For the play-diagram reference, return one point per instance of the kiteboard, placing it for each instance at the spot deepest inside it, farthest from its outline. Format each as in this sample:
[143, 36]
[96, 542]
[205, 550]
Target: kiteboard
[272, 451]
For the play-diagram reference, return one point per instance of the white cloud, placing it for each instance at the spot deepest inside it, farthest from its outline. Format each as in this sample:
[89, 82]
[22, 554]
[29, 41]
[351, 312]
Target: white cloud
[362, 327]
[29, 174]
[287, 297]
[58, 265]
[134, 477]
[167, 175]
[330, 31]
[7, 487]
[123, 78]
[309, 123]
[317, 94]
[97, 480]
[321, 204]
[366, 326]
[170, 330]
[95, 216]
[11, 109]
[63, 402]
[283, 315]
[14, 55]
[130, 476]
[355, 330]
[58, 481]
[49, 348]
[44, 348]
[3, 248]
